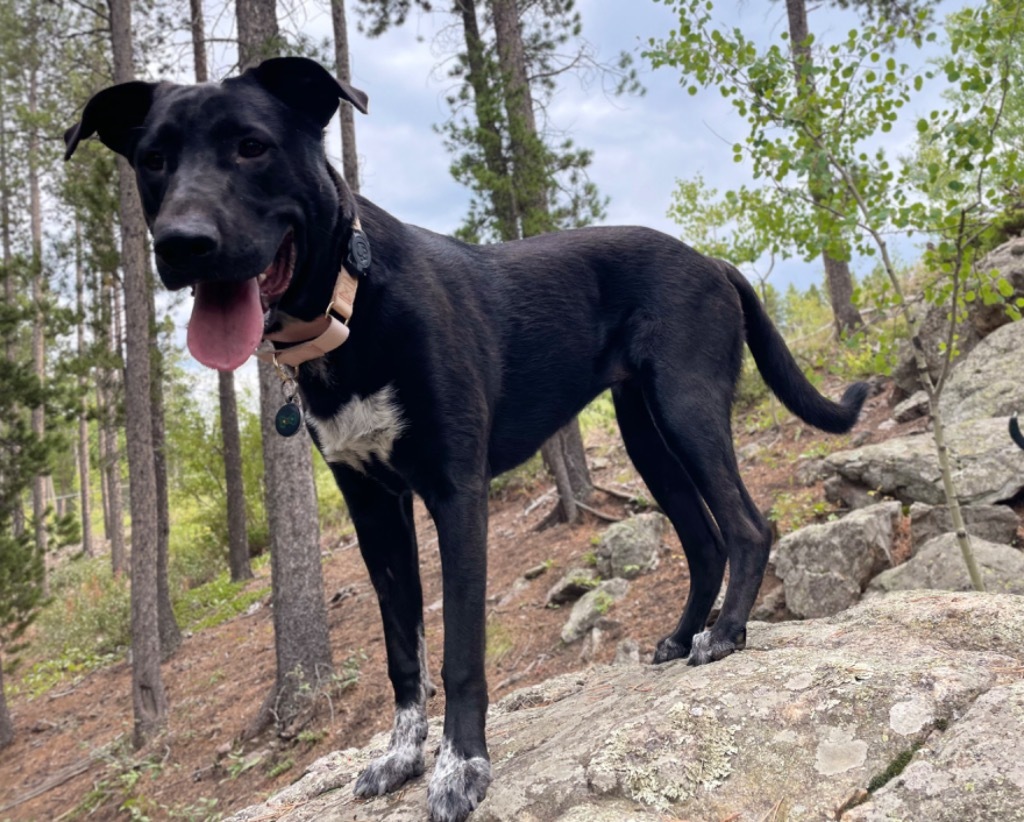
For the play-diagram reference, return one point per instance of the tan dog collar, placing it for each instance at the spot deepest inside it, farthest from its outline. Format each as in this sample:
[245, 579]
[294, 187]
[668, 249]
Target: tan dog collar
[329, 331]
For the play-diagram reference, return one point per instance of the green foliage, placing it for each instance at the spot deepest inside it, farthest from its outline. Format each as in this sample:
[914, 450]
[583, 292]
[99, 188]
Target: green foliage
[215, 602]
[199, 535]
[499, 642]
[88, 615]
[793, 510]
[521, 477]
[599, 415]
[814, 129]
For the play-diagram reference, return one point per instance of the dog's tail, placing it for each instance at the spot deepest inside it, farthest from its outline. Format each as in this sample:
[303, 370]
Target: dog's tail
[783, 375]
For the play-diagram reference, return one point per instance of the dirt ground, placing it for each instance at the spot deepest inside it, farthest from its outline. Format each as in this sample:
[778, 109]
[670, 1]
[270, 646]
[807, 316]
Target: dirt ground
[72, 758]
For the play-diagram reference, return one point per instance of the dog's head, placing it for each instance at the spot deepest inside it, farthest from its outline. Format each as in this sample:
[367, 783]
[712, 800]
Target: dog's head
[236, 192]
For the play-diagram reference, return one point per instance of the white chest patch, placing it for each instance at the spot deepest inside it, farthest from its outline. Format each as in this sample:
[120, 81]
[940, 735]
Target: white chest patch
[363, 428]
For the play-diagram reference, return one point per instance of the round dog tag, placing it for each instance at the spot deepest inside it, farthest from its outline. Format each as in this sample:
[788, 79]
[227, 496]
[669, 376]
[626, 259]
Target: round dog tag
[288, 419]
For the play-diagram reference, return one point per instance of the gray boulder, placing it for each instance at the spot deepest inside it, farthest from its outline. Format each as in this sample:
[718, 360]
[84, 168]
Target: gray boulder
[630, 548]
[591, 607]
[575, 583]
[797, 727]
[971, 772]
[940, 565]
[825, 567]
[995, 523]
[911, 408]
[989, 382]
[987, 467]
[979, 321]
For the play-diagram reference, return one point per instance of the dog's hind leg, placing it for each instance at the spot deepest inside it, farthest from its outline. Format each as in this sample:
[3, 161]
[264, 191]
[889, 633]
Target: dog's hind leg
[462, 772]
[387, 540]
[690, 406]
[678, 497]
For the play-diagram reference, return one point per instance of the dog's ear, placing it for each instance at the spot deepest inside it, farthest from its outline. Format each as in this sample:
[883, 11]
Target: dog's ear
[307, 86]
[115, 114]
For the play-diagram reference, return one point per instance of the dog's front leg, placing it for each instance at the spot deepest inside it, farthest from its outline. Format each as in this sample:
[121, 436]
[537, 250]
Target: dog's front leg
[463, 770]
[387, 540]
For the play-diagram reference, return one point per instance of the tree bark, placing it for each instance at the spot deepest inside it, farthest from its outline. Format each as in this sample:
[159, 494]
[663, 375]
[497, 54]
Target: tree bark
[6, 723]
[149, 700]
[346, 112]
[838, 278]
[10, 287]
[486, 104]
[84, 474]
[39, 495]
[238, 535]
[563, 455]
[170, 633]
[108, 397]
[300, 616]
[301, 638]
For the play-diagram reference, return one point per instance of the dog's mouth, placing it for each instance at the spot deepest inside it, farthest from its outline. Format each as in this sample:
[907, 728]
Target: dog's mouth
[227, 317]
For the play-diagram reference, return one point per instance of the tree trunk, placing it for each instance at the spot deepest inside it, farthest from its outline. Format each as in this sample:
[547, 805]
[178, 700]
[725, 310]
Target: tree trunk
[10, 287]
[6, 724]
[346, 113]
[563, 454]
[837, 272]
[39, 496]
[84, 473]
[301, 637]
[487, 104]
[149, 700]
[238, 536]
[170, 633]
[300, 617]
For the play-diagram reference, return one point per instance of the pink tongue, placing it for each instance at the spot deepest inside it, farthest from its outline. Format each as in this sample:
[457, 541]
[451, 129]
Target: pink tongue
[226, 324]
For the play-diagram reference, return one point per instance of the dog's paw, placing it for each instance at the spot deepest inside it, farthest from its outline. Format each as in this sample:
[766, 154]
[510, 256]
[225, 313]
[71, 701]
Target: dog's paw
[404, 757]
[389, 772]
[669, 649]
[708, 648]
[457, 786]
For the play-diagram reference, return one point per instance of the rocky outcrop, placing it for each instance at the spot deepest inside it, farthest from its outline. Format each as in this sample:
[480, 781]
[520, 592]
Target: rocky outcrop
[987, 467]
[591, 607]
[630, 548]
[939, 564]
[990, 382]
[980, 320]
[909, 706]
[824, 568]
[995, 523]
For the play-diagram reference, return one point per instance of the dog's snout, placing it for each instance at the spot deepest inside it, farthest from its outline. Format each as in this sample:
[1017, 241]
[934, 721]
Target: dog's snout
[185, 242]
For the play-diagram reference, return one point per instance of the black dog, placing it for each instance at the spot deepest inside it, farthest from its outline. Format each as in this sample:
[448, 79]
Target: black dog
[462, 360]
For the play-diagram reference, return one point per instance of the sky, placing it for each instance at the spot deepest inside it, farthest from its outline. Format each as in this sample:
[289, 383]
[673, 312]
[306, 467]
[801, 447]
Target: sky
[641, 145]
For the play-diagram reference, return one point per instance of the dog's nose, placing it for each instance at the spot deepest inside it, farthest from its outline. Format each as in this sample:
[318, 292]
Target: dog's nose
[182, 243]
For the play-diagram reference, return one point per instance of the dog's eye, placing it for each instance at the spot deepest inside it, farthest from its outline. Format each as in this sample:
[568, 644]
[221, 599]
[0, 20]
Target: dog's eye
[250, 148]
[153, 160]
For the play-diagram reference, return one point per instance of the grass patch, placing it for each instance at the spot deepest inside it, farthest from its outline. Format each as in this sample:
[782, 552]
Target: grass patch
[895, 768]
[216, 602]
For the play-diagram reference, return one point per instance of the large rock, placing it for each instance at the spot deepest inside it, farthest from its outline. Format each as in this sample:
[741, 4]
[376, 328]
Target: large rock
[989, 382]
[591, 607]
[987, 467]
[996, 523]
[971, 772]
[796, 727]
[980, 320]
[630, 548]
[939, 564]
[825, 567]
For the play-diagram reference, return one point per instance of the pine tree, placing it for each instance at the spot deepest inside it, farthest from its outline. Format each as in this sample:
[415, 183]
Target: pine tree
[301, 638]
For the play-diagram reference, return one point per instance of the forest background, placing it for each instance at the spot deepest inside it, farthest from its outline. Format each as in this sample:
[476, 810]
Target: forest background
[109, 432]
